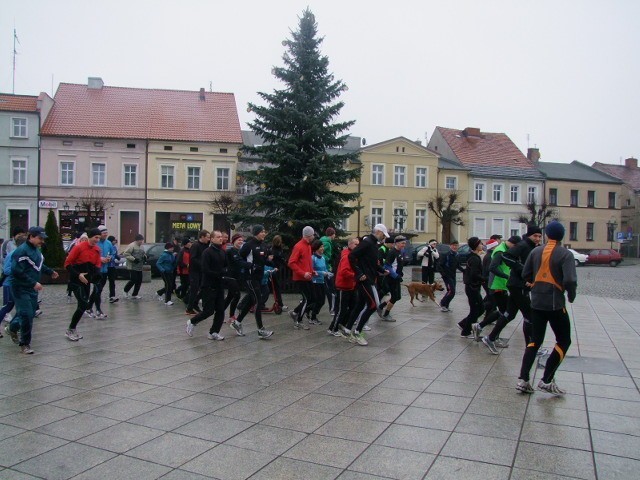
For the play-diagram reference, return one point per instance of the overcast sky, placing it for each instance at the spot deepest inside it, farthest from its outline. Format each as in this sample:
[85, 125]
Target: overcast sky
[557, 74]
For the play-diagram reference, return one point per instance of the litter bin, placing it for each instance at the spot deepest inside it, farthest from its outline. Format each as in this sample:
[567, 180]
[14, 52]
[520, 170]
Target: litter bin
[146, 273]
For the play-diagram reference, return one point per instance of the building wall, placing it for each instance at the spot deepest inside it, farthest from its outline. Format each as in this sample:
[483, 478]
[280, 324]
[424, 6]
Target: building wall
[499, 216]
[183, 198]
[582, 214]
[82, 153]
[390, 197]
[459, 232]
[18, 197]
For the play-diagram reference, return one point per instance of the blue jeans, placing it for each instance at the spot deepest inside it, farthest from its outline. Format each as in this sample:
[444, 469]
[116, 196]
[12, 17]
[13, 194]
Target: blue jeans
[8, 301]
[26, 305]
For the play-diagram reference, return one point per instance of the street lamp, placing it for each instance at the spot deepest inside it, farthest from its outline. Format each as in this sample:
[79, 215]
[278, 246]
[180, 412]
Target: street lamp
[66, 207]
[77, 207]
[611, 229]
[400, 217]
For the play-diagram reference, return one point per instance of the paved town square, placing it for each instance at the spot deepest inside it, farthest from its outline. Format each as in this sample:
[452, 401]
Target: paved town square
[138, 398]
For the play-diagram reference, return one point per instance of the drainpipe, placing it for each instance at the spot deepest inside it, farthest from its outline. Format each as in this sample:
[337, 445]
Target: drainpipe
[146, 190]
[38, 178]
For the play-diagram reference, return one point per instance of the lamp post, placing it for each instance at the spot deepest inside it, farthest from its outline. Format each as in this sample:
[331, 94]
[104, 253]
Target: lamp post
[611, 229]
[400, 217]
[66, 207]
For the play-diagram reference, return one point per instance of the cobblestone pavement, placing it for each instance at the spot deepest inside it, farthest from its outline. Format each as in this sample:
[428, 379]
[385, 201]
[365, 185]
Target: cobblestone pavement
[138, 398]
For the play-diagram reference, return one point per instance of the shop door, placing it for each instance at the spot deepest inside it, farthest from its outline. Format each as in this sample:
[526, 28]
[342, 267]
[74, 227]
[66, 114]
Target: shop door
[18, 218]
[129, 227]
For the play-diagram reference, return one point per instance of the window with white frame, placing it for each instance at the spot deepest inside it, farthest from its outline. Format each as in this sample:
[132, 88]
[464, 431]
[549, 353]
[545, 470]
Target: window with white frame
[376, 215]
[497, 193]
[514, 195]
[532, 194]
[343, 224]
[19, 127]
[451, 183]
[19, 171]
[222, 178]
[514, 227]
[399, 176]
[420, 223]
[480, 227]
[497, 226]
[130, 173]
[421, 177]
[478, 195]
[167, 176]
[98, 174]
[193, 178]
[67, 173]
[377, 174]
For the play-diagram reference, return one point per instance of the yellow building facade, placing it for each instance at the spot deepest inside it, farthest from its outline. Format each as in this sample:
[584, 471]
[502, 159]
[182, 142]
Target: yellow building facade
[182, 180]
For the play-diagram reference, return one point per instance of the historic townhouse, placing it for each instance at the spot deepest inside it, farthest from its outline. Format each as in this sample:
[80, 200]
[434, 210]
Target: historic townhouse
[502, 180]
[629, 173]
[398, 178]
[586, 200]
[21, 117]
[138, 160]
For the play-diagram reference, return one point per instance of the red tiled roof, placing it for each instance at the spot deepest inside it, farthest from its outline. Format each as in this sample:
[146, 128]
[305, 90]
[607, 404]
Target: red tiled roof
[117, 112]
[490, 149]
[18, 103]
[630, 176]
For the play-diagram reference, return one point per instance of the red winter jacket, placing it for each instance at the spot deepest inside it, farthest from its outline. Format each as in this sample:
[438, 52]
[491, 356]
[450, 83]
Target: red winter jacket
[300, 261]
[345, 276]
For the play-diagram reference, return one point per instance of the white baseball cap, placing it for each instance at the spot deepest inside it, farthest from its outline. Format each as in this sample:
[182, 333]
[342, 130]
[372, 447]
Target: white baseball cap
[381, 228]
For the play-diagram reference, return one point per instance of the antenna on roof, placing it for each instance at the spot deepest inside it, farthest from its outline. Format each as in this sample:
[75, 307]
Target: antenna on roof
[15, 52]
[210, 86]
[527, 141]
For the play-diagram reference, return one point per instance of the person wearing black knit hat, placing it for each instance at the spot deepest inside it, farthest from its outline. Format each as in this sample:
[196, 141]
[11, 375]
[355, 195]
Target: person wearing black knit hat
[519, 300]
[551, 271]
[472, 278]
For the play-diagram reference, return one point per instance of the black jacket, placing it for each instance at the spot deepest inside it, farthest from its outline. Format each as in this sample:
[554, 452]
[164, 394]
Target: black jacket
[515, 258]
[214, 266]
[364, 259]
[472, 275]
[448, 265]
[255, 254]
[237, 267]
[195, 259]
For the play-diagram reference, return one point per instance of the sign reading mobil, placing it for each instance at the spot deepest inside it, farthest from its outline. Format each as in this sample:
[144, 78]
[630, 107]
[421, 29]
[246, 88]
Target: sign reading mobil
[52, 204]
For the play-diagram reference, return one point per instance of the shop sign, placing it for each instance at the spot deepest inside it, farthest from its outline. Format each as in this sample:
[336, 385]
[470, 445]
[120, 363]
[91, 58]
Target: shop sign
[53, 204]
[186, 225]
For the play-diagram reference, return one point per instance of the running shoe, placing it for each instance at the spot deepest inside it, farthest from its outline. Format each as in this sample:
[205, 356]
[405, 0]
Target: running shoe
[490, 345]
[551, 388]
[524, 387]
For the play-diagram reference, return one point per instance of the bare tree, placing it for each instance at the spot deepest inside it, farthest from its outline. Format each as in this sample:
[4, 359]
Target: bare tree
[448, 210]
[94, 202]
[537, 214]
[222, 204]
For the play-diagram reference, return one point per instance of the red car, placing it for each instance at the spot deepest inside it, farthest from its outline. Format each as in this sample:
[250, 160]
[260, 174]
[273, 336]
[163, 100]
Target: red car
[604, 256]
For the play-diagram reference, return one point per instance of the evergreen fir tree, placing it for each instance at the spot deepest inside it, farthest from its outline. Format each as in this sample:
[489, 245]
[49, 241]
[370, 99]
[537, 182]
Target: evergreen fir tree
[52, 250]
[299, 182]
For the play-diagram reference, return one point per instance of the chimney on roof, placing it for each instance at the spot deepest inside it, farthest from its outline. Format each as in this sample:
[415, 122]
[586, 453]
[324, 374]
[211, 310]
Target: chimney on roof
[471, 132]
[202, 94]
[533, 154]
[95, 83]
[631, 162]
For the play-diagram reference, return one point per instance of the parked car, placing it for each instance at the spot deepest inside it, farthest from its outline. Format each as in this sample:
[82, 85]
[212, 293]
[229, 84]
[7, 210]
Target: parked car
[603, 256]
[153, 251]
[579, 258]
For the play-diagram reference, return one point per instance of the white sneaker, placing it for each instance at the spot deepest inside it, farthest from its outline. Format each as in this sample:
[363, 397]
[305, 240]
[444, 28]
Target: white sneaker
[366, 328]
[89, 313]
[71, 336]
[126, 295]
[551, 388]
[215, 336]
[169, 303]
[190, 327]
[160, 298]
[38, 313]
[444, 309]
[137, 297]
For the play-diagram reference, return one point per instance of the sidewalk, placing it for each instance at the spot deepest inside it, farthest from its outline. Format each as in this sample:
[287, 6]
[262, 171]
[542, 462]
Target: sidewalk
[137, 398]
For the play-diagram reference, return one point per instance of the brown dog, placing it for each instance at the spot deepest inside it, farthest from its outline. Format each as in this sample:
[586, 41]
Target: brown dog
[425, 289]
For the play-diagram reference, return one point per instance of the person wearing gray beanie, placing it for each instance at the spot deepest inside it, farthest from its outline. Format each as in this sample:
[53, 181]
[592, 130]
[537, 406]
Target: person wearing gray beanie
[257, 229]
[301, 265]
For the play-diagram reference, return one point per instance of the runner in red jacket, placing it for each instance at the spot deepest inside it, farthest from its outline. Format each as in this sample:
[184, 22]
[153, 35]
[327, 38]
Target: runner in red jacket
[301, 264]
[346, 293]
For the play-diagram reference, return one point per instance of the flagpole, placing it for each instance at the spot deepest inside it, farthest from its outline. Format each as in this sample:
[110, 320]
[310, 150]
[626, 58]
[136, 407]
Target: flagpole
[13, 84]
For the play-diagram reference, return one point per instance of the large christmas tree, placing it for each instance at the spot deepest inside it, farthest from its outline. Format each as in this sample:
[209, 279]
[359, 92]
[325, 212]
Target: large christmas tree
[299, 182]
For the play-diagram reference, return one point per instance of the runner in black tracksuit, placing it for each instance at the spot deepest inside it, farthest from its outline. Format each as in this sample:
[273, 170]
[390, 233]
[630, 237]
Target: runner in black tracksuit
[515, 258]
[364, 261]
